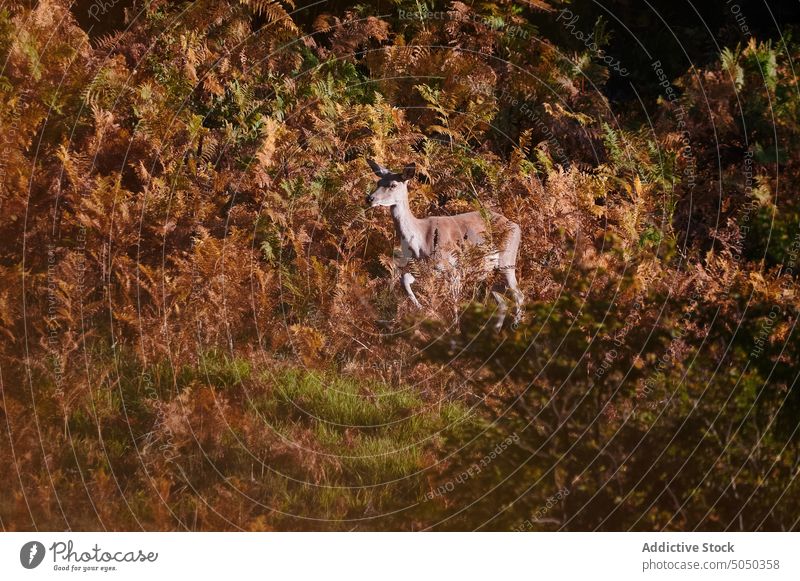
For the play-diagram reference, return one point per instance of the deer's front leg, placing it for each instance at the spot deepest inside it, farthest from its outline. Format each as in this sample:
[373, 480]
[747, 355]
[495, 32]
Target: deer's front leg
[407, 280]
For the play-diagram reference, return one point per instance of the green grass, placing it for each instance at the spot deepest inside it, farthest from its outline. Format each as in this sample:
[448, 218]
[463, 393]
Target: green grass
[342, 401]
[372, 433]
[234, 446]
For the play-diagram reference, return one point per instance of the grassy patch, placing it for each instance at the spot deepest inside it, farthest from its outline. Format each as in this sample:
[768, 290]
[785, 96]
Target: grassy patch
[218, 446]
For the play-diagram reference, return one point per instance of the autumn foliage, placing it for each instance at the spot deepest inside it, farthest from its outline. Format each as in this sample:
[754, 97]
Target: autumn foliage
[202, 326]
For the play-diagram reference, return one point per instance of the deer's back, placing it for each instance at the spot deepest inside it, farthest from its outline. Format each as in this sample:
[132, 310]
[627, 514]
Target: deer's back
[446, 233]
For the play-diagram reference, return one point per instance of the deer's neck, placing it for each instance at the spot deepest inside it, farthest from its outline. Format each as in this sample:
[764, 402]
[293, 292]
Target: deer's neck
[409, 228]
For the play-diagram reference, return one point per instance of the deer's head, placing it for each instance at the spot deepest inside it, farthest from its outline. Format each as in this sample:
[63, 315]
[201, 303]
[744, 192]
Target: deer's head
[392, 187]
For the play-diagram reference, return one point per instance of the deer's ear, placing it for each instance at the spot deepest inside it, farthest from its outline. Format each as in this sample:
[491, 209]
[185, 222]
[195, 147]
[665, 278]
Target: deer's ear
[409, 172]
[379, 170]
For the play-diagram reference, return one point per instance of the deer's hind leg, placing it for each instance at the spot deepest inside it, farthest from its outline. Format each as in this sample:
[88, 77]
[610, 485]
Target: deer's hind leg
[507, 265]
[510, 275]
[502, 309]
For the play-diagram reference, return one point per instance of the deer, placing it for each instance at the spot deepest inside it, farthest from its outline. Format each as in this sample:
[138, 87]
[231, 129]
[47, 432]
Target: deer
[439, 238]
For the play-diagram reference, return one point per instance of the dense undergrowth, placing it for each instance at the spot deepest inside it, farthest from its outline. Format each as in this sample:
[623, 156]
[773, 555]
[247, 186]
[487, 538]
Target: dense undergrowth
[220, 446]
[202, 327]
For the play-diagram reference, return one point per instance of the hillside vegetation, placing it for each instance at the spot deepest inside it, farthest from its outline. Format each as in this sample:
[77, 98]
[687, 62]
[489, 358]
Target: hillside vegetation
[202, 325]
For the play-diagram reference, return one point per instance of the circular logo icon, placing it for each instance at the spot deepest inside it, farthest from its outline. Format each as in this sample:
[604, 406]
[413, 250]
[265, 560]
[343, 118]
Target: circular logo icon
[31, 554]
